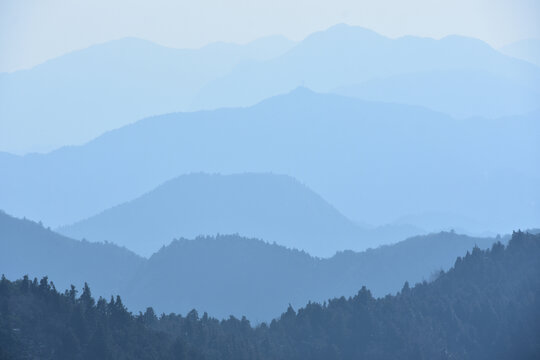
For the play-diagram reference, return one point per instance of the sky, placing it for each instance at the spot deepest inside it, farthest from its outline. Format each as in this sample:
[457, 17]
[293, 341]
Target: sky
[32, 31]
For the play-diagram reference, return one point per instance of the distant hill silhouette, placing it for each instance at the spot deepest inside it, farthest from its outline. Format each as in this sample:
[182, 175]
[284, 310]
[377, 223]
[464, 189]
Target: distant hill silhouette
[27, 247]
[223, 275]
[375, 162]
[76, 97]
[461, 93]
[270, 207]
[441, 74]
[255, 279]
[528, 50]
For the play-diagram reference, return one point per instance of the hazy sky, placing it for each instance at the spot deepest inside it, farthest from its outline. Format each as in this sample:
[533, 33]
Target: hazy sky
[32, 31]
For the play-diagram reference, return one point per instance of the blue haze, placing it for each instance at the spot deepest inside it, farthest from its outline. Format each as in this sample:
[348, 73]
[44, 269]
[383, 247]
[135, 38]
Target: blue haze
[76, 97]
[528, 49]
[222, 275]
[345, 56]
[264, 206]
[375, 162]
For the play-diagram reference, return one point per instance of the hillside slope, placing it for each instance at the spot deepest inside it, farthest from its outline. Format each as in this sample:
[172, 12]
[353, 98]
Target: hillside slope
[527, 49]
[241, 276]
[252, 278]
[375, 162]
[71, 99]
[460, 93]
[270, 207]
[485, 307]
[27, 248]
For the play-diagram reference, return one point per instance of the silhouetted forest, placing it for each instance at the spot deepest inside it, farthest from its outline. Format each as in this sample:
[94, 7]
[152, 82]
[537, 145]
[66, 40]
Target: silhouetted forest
[487, 306]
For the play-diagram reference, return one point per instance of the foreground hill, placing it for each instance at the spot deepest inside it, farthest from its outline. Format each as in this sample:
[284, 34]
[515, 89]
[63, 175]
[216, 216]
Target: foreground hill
[375, 162]
[76, 97]
[241, 276]
[252, 278]
[485, 307]
[265, 206]
[28, 248]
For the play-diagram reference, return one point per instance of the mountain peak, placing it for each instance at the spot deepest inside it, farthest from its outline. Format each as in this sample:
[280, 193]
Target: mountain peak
[343, 33]
[302, 90]
[251, 204]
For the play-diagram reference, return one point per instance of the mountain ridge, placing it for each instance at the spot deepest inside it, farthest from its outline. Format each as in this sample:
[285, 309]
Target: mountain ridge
[170, 280]
[326, 60]
[343, 140]
[78, 96]
[276, 208]
[74, 105]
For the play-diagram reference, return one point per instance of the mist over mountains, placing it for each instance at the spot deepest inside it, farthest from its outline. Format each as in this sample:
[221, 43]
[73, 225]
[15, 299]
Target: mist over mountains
[241, 181]
[375, 162]
[265, 206]
[76, 97]
[225, 274]
[368, 159]
[345, 56]
[527, 49]
[27, 247]
[461, 93]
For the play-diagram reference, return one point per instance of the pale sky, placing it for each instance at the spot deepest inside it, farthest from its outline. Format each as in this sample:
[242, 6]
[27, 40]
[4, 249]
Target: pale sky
[32, 31]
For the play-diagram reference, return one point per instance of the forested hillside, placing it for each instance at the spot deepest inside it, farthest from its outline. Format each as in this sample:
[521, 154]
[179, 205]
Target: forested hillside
[487, 306]
[250, 277]
[241, 276]
[27, 247]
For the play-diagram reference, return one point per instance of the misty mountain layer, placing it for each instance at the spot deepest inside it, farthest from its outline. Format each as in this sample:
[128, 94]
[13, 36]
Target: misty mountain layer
[346, 55]
[76, 97]
[28, 248]
[265, 206]
[223, 275]
[375, 162]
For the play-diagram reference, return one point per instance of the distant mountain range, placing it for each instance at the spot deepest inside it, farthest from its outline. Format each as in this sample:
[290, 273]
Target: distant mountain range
[242, 180]
[461, 93]
[222, 275]
[440, 74]
[265, 206]
[76, 97]
[375, 162]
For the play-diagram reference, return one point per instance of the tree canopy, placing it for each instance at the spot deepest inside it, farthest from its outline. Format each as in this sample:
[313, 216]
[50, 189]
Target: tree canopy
[487, 306]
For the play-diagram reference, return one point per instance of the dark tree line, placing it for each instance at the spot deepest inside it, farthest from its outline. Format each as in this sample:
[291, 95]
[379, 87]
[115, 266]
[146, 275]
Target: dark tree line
[486, 307]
